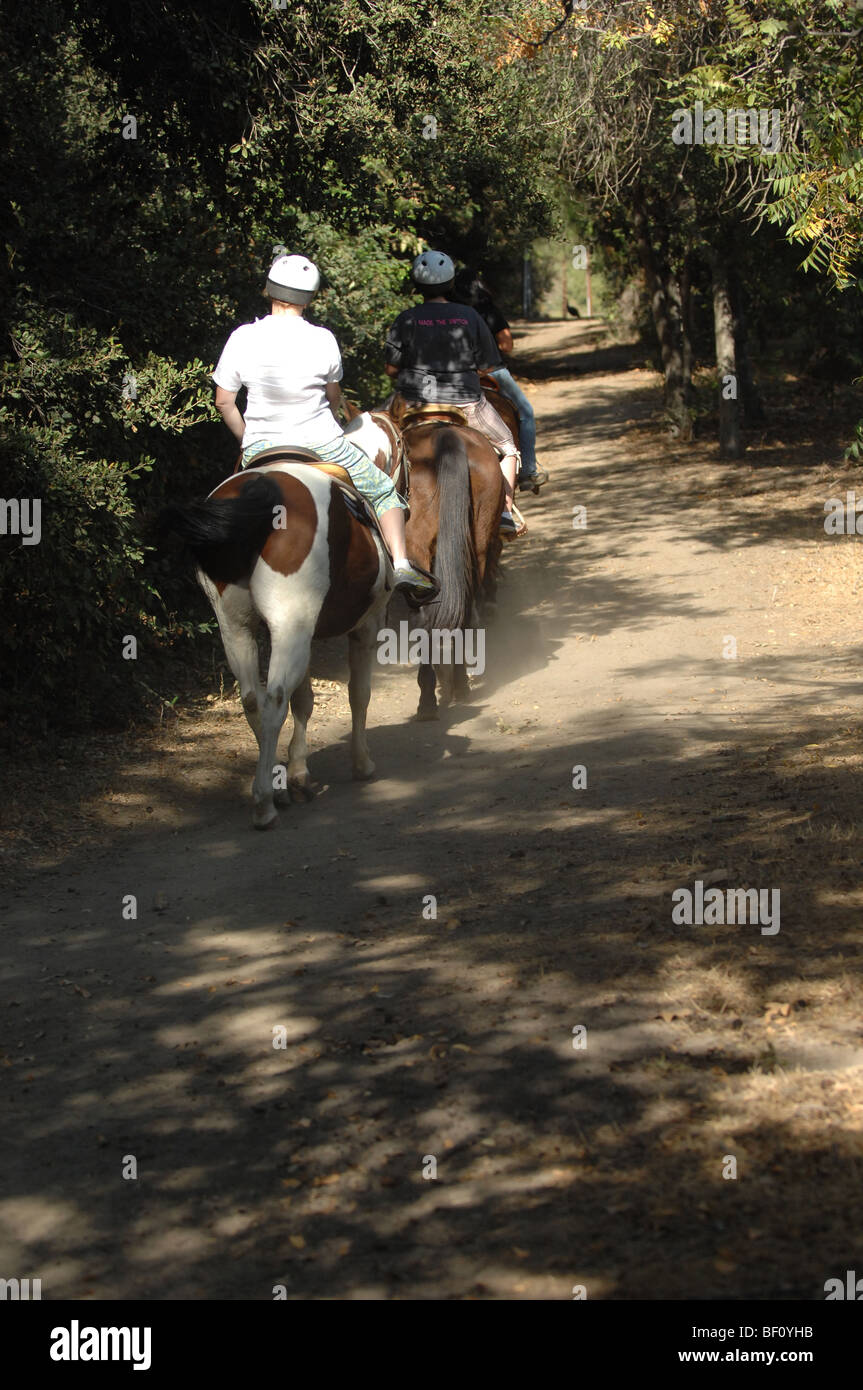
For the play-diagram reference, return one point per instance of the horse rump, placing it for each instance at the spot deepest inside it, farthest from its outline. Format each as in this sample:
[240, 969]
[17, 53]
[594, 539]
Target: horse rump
[226, 534]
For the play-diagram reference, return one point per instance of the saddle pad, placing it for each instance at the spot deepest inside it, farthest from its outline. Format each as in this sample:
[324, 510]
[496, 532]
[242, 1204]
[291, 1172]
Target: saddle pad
[359, 508]
[336, 471]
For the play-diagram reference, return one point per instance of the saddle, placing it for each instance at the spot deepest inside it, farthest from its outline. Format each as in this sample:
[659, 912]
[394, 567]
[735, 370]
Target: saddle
[431, 412]
[295, 453]
[489, 382]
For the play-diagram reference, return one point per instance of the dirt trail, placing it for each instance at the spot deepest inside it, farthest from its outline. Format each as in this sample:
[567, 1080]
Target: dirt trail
[414, 1043]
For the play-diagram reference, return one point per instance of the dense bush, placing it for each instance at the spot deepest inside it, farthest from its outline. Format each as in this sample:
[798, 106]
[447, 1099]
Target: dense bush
[156, 156]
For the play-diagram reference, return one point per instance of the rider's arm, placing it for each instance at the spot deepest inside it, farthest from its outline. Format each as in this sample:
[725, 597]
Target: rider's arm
[393, 349]
[333, 392]
[504, 340]
[226, 404]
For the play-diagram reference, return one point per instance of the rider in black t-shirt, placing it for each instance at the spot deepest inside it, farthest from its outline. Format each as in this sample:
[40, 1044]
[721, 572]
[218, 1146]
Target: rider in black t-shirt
[470, 289]
[435, 351]
[443, 344]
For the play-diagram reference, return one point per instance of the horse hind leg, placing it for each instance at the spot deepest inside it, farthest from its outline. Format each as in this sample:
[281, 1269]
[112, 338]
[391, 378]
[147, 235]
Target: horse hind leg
[238, 623]
[300, 785]
[427, 674]
[426, 680]
[360, 647]
[461, 690]
[447, 683]
[289, 664]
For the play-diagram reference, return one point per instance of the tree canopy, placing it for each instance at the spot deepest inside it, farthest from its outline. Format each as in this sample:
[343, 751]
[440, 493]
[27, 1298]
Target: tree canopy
[158, 155]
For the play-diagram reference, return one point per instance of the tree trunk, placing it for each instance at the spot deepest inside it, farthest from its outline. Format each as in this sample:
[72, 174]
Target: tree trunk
[678, 382]
[664, 290]
[730, 433]
[686, 315]
[750, 397]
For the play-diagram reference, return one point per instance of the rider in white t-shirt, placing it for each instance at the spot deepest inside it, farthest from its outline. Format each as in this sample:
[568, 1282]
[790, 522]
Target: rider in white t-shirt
[286, 364]
[291, 370]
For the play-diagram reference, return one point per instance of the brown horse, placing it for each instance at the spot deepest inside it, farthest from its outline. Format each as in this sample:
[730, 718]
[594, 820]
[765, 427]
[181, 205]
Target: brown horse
[456, 498]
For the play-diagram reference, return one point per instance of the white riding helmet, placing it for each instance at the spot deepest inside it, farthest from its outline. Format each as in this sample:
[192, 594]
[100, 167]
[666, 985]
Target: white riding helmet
[432, 268]
[293, 280]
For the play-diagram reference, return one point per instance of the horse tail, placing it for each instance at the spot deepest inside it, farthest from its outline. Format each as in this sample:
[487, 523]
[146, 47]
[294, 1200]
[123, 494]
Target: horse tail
[226, 534]
[454, 563]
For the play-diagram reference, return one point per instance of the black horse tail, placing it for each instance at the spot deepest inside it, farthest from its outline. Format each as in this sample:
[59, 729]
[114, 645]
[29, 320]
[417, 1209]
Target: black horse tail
[226, 534]
[454, 562]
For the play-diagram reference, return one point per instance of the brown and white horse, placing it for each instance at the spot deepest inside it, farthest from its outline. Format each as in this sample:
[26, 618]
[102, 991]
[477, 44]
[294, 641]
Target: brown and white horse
[280, 544]
[456, 495]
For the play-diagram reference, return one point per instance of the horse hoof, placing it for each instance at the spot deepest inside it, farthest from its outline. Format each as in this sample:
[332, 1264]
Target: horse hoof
[425, 716]
[298, 789]
[364, 774]
[303, 791]
[266, 824]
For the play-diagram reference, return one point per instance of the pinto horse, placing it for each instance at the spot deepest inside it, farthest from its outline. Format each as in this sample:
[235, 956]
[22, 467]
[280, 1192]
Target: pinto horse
[456, 495]
[286, 544]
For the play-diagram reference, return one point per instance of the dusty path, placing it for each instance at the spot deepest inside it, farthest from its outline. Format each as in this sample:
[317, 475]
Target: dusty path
[410, 1040]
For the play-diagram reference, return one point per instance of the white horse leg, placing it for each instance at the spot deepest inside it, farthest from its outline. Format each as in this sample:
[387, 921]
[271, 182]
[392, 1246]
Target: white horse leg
[361, 644]
[300, 785]
[238, 623]
[289, 662]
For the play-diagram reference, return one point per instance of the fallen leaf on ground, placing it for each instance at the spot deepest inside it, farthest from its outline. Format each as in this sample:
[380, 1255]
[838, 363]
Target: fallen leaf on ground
[776, 1009]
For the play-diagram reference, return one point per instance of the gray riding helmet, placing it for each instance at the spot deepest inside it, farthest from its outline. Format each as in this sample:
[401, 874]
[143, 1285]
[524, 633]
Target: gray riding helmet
[433, 268]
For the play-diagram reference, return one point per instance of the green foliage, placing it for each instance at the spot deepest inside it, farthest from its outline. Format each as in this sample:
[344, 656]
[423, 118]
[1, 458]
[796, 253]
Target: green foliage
[126, 263]
[804, 61]
[855, 448]
[70, 438]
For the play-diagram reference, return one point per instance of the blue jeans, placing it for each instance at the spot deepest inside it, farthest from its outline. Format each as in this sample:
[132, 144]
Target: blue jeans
[526, 419]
